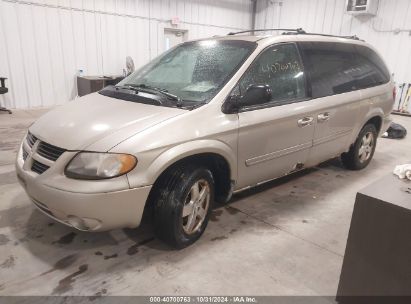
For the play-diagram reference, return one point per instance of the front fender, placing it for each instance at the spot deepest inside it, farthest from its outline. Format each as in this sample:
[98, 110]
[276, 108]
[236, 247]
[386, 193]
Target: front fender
[179, 152]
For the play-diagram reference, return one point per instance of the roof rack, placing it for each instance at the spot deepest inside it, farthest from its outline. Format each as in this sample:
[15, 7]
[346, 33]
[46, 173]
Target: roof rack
[354, 37]
[297, 31]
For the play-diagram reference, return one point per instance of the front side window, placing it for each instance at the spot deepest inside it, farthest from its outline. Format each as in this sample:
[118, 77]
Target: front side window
[193, 71]
[280, 68]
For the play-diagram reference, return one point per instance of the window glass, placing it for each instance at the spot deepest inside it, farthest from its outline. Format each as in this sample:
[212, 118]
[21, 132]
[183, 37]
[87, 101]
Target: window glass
[371, 69]
[337, 68]
[281, 69]
[194, 71]
[332, 67]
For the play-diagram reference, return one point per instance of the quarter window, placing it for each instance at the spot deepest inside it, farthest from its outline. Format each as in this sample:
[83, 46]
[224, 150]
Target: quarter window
[280, 68]
[337, 68]
[372, 70]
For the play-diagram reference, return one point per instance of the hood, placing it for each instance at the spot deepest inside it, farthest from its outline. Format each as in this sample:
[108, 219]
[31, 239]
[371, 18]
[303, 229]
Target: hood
[80, 123]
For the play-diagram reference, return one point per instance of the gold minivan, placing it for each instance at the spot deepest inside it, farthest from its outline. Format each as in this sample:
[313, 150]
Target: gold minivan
[203, 120]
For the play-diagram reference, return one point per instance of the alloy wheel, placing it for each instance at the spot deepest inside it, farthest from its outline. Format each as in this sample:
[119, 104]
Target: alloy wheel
[196, 206]
[366, 148]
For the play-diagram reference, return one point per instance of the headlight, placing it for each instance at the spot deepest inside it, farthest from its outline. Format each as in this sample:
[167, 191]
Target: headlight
[93, 165]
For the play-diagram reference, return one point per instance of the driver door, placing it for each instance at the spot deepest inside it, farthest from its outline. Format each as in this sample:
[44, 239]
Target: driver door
[274, 137]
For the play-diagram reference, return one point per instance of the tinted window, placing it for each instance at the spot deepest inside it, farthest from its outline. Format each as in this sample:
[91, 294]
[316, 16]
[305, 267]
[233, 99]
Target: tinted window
[281, 69]
[371, 69]
[331, 66]
[337, 68]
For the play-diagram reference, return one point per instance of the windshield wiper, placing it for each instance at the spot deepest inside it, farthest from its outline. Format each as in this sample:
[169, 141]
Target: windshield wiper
[161, 91]
[127, 87]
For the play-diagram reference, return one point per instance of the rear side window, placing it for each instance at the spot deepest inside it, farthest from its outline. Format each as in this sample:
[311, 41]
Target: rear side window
[372, 70]
[337, 68]
[332, 67]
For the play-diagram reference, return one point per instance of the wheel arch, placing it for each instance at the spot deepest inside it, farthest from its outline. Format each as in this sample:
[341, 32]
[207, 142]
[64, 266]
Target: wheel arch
[215, 155]
[374, 116]
[376, 121]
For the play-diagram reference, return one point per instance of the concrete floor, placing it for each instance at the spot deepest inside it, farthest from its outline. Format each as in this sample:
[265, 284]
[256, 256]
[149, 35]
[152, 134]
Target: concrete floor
[284, 238]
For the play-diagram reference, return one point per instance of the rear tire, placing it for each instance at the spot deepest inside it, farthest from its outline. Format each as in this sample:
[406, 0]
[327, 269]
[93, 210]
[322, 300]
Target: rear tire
[182, 205]
[362, 151]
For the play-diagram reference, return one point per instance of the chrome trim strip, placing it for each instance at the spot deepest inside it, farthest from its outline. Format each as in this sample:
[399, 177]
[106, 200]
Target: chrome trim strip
[277, 154]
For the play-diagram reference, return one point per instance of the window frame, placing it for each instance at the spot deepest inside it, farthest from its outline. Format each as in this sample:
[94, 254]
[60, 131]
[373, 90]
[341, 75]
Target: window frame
[276, 103]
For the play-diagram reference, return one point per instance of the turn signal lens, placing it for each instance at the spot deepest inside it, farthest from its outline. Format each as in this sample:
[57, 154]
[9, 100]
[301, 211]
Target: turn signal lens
[128, 162]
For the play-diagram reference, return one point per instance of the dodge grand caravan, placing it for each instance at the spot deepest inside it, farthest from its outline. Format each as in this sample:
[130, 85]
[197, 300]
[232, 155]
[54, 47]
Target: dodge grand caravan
[205, 119]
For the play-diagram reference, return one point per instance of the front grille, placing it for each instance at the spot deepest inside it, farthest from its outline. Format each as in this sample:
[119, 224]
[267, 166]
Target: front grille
[49, 151]
[25, 154]
[38, 167]
[43, 149]
[31, 139]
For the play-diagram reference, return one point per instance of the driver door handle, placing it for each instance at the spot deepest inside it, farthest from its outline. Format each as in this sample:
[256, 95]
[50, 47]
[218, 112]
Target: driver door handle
[305, 121]
[323, 116]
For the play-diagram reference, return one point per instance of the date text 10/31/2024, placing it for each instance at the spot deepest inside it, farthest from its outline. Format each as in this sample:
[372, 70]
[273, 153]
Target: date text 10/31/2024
[203, 299]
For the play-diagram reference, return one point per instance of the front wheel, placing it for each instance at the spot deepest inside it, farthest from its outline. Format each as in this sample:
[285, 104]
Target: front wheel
[362, 151]
[183, 205]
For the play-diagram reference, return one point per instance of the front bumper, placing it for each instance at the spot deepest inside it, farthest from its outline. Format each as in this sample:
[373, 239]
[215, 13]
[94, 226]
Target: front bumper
[90, 207]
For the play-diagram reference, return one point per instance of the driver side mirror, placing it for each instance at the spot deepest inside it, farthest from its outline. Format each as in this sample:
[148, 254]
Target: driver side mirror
[254, 95]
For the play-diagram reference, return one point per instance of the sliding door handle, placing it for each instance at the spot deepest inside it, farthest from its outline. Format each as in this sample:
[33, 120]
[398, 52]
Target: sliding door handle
[305, 121]
[323, 116]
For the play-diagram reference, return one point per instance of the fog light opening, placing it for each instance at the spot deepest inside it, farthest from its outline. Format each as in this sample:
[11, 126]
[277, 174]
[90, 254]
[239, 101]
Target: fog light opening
[77, 223]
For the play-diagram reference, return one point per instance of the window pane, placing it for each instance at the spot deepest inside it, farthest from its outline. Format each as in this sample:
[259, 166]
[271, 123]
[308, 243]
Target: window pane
[281, 69]
[194, 71]
[332, 67]
[371, 69]
[341, 67]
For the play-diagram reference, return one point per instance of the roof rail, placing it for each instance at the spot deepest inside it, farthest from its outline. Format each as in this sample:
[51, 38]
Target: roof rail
[354, 37]
[297, 31]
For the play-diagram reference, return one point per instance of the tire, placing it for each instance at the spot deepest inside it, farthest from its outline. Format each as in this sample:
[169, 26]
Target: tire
[176, 194]
[362, 151]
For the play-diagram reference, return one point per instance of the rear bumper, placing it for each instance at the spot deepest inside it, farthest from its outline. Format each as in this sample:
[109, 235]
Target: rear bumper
[96, 211]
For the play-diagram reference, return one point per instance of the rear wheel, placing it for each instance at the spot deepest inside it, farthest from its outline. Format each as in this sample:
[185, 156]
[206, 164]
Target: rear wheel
[362, 151]
[183, 205]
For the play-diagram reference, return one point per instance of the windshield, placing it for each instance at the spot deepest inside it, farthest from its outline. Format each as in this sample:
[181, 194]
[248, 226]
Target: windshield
[194, 71]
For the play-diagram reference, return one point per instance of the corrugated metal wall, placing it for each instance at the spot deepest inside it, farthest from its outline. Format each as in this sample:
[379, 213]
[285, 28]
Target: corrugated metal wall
[328, 16]
[44, 42]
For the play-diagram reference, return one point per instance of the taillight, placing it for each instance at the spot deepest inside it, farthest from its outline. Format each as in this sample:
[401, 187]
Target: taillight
[394, 93]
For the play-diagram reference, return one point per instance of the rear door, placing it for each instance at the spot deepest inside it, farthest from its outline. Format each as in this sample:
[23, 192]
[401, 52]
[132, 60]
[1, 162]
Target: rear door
[332, 72]
[274, 137]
